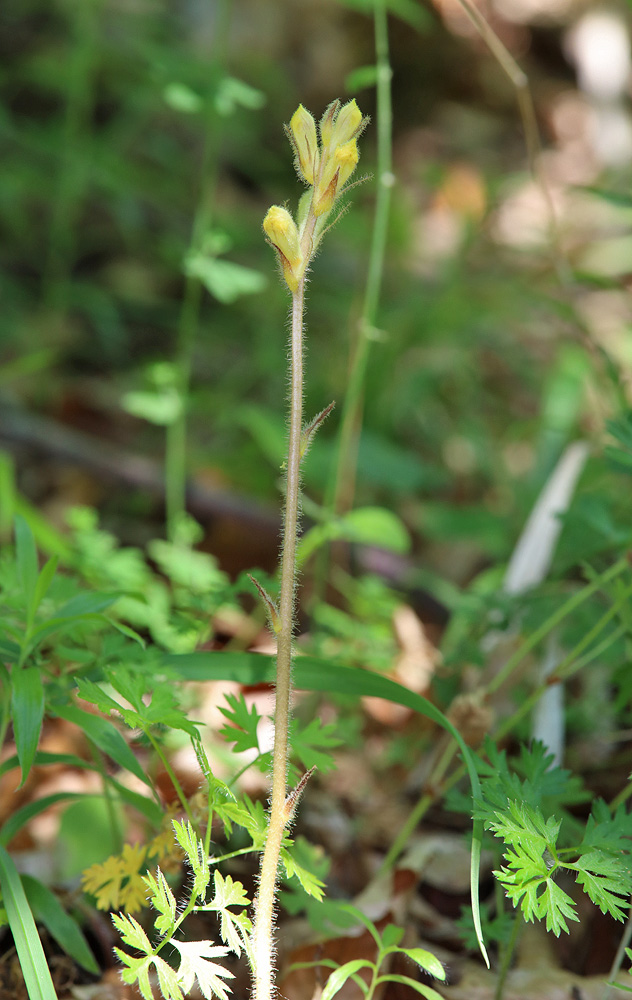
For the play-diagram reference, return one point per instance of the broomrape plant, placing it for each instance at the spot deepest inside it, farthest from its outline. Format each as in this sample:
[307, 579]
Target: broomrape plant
[325, 159]
[325, 166]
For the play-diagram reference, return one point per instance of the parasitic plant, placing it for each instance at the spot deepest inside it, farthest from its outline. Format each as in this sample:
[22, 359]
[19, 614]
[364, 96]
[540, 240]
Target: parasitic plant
[325, 159]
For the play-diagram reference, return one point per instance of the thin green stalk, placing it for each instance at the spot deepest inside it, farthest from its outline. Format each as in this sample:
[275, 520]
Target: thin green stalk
[174, 780]
[507, 954]
[341, 486]
[70, 182]
[420, 808]
[528, 703]
[176, 432]
[351, 420]
[554, 620]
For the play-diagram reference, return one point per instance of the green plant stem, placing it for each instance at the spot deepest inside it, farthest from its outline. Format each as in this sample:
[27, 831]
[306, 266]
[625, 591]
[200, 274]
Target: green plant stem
[174, 781]
[420, 809]
[507, 954]
[263, 944]
[73, 147]
[341, 487]
[554, 620]
[353, 403]
[176, 432]
[528, 703]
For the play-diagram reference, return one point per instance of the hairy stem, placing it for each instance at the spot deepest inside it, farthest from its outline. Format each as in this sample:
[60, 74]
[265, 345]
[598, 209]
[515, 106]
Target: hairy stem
[263, 943]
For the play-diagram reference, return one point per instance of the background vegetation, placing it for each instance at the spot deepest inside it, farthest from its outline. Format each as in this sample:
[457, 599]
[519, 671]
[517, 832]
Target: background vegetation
[141, 148]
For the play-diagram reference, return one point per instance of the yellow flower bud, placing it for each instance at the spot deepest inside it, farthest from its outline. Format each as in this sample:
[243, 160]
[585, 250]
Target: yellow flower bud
[303, 135]
[336, 172]
[280, 228]
[346, 157]
[347, 124]
[327, 123]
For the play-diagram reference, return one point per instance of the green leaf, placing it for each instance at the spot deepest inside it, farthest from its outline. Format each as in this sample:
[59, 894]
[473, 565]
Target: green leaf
[42, 759]
[196, 857]
[225, 280]
[557, 905]
[161, 407]
[233, 93]
[407, 10]
[421, 988]
[426, 960]
[338, 978]
[88, 603]
[26, 939]
[365, 526]
[242, 731]
[622, 199]
[310, 882]
[308, 744]
[358, 79]
[181, 98]
[131, 932]
[105, 736]
[27, 707]
[163, 900]
[606, 880]
[44, 581]
[314, 674]
[194, 965]
[391, 936]
[26, 559]
[234, 928]
[137, 971]
[62, 927]
[20, 817]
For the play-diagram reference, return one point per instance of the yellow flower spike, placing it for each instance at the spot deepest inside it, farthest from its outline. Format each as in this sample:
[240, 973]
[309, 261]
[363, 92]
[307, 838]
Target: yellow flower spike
[280, 228]
[302, 132]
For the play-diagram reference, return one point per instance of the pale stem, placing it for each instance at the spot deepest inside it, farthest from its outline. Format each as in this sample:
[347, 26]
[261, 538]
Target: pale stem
[263, 942]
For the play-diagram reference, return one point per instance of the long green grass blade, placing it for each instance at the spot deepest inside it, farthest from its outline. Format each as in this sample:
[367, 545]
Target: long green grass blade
[33, 963]
[66, 931]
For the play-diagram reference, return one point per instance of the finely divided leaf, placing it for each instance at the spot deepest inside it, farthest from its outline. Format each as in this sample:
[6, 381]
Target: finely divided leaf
[163, 900]
[194, 965]
[308, 744]
[310, 882]
[131, 932]
[606, 880]
[196, 857]
[242, 728]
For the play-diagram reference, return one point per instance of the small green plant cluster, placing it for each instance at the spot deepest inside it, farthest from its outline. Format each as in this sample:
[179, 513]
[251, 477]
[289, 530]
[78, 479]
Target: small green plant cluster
[538, 846]
[387, 943]
[195, 957]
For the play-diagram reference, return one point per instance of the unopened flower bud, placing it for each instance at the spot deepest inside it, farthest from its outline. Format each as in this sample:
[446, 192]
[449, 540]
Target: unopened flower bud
[346, 157]
[303, 135]
[280, 228]
[327, 123]
[347, 124]
[337, 170]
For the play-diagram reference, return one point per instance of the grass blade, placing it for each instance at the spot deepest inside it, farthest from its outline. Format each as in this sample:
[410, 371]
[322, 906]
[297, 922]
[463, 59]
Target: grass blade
[27, 942]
